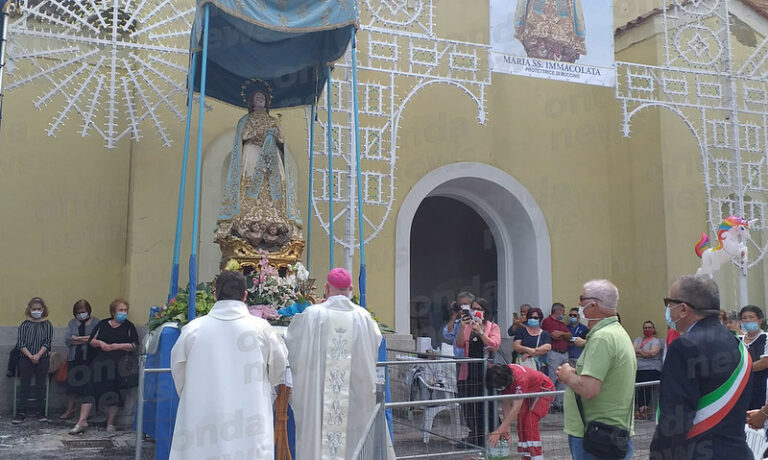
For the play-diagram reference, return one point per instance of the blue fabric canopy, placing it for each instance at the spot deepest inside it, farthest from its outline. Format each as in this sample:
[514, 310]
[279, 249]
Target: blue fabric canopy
[285, 43]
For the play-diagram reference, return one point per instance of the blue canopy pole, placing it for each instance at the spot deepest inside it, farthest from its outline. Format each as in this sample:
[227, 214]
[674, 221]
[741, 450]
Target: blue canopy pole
[330, 165]
[198, 173]
[311, 175]
[361, 278]
[361, 236]
[182, 185]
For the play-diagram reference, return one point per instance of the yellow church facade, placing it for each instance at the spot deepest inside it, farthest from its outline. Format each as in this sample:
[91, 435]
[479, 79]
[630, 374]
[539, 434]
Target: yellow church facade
[560, 195]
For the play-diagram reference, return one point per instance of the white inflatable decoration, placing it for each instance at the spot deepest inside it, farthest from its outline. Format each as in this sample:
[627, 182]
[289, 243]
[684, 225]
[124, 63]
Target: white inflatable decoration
[732, 237]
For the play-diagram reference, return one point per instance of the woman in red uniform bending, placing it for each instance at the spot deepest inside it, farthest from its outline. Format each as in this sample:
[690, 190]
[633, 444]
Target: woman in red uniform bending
[517, 379]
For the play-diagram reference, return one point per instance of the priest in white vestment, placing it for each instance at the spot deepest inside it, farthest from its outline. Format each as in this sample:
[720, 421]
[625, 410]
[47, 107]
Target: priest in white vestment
[332, 350]
[225, 365]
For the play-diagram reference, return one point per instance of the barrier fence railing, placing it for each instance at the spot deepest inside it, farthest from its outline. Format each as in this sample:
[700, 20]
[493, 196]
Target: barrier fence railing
[374, 442]
[420, 433]
[553, 439]
[373, 446]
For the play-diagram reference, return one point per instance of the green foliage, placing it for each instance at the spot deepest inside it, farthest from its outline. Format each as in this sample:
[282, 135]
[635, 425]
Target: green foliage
[177, 310]
[383, 328]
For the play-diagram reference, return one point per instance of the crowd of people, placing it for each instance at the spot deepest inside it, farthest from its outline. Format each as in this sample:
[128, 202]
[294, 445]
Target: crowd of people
[101, 361]
[712, 365]
[240, 360]
[712, 368]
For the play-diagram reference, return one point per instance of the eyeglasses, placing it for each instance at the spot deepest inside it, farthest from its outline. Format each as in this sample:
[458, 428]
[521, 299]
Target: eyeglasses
[574, 315]
[500, 389]
[535, 317]
[672, 303]
[583, 298]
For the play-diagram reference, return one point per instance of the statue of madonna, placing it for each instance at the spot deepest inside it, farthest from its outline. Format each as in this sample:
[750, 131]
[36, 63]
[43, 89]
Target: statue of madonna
[260, 192]
[551, 29]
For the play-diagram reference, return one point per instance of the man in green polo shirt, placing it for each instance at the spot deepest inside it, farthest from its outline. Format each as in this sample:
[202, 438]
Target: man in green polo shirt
[605, 373]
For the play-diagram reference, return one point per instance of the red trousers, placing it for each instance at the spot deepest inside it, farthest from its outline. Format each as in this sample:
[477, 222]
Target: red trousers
[528, 436]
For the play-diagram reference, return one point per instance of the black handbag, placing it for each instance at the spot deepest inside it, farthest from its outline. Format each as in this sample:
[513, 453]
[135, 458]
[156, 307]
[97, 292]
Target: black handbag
[128, 366]
[128, 370]
[13, 362]
[603, 440]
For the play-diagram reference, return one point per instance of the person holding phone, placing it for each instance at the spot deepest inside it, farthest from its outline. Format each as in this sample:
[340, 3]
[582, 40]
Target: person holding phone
[476, 334]
[519, 320]
[451, 329]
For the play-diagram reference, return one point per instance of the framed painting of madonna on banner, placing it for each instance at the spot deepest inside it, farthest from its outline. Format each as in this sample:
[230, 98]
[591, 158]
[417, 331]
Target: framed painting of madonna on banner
[569, 40]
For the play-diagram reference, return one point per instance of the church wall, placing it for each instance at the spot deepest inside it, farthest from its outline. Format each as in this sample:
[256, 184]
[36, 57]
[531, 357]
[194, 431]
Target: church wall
[637, 211]
[532, 125]
[96, 223]
[65, 211]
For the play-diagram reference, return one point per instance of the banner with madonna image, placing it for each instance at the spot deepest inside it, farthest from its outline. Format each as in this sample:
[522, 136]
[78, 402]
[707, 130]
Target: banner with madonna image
[568, 40]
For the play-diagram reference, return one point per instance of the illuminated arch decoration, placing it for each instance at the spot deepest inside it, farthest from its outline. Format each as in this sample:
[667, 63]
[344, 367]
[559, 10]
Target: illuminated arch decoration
[722, 101]
[399, 54]
[112, 66]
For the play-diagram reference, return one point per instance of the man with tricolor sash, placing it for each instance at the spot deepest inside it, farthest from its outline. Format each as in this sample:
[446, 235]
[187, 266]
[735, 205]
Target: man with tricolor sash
[705, 383]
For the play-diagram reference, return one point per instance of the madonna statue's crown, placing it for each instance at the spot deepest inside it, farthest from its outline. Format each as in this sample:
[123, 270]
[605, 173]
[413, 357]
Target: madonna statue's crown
[255, 85]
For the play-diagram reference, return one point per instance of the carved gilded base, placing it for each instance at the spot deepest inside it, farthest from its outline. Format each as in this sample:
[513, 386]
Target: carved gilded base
[247, 256]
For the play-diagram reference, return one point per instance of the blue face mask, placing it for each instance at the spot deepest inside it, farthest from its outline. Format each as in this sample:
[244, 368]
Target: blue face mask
[560, 318]
[533, 322]
[573, 320]
[670, 323]
[120, 317]
[749, 326]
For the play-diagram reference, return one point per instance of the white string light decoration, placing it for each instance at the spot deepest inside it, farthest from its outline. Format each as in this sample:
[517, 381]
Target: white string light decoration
[399, 54]
[113, 65]
[723, 102]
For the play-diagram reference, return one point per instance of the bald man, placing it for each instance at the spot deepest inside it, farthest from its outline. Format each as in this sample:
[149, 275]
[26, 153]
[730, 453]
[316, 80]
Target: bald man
[332, 351]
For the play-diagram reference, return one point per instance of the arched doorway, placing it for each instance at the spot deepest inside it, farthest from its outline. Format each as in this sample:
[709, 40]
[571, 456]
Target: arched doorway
[452, 251]
[514, 220]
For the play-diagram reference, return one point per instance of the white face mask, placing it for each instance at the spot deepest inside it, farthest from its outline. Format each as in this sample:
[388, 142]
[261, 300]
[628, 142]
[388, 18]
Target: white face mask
[83, 316]
[37, 314]
[583, 319]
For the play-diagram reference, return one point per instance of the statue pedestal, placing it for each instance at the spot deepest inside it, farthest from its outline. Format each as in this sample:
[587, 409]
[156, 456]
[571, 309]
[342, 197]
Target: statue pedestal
[248, 257]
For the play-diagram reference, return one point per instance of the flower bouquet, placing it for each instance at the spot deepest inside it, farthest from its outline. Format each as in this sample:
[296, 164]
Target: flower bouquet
[277, 298]
[271, 296]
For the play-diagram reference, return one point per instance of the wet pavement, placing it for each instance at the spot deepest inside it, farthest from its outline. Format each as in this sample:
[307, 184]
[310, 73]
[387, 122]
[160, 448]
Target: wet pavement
[51, 441]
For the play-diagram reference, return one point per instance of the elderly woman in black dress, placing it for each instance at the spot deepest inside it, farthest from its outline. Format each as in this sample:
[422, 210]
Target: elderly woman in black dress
[114, 366]
[78, 360]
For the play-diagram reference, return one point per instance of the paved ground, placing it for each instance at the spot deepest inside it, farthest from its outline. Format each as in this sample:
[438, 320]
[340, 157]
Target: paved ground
[50, 441]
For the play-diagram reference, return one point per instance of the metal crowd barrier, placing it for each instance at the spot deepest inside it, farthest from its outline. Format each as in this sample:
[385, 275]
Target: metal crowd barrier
[140, 401]
[436, 444]
[374, 445]
[554, 440]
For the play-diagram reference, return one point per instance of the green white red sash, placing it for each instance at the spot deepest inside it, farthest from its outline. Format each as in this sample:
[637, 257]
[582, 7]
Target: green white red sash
[713, 407]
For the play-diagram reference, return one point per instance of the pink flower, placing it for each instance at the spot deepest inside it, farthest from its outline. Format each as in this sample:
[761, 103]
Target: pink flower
[264, 311]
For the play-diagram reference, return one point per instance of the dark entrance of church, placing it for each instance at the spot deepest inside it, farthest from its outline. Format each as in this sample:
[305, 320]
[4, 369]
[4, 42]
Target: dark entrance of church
[452, 250]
